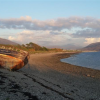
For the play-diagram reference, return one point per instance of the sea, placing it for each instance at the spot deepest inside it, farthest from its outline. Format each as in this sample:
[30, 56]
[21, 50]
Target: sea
[86, 59]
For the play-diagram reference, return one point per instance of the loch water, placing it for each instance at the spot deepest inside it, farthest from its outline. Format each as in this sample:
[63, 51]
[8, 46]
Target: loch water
[86, 59]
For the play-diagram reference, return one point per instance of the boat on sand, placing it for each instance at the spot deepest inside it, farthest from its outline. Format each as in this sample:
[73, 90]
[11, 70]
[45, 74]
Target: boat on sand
[13, 60]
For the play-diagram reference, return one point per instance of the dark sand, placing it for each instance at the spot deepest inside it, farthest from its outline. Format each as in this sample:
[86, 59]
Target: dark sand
[46, 78]
[52, 61]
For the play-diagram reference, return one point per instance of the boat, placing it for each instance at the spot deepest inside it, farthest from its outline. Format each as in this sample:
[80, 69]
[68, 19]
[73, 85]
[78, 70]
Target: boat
[12, 59]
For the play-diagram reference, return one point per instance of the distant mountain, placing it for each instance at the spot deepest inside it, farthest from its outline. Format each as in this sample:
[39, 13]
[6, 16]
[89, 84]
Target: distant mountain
[93, 47]
[71, 47]
[68, 46]
[5, 41]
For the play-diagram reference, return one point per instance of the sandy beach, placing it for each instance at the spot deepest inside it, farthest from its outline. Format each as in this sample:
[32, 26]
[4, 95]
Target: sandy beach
[46, 78]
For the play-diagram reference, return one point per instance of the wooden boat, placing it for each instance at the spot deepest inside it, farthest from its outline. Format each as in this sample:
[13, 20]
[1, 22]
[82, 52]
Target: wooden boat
[13, 60]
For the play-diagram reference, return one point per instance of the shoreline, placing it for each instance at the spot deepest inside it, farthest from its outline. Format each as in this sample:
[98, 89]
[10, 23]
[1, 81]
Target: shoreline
[53, 59]
[45, 77]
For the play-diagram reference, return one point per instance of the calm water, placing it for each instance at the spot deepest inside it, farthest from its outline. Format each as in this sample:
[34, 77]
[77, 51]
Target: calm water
[87, 59]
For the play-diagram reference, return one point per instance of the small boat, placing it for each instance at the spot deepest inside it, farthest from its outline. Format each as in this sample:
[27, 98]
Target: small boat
[13, 60]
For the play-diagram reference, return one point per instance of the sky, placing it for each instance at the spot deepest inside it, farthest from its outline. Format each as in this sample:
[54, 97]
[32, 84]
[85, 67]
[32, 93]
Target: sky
[50, 22]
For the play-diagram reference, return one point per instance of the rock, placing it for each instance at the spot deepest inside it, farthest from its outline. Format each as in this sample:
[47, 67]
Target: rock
[88, 75]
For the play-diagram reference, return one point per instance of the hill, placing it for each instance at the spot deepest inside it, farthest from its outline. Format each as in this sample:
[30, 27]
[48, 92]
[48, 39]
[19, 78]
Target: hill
[67, 47]
[30, 47]
[71, 47]
[93, 47]
[5, 41]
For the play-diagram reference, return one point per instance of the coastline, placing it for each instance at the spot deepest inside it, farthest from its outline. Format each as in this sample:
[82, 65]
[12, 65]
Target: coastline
[46, 78]
[52, 60]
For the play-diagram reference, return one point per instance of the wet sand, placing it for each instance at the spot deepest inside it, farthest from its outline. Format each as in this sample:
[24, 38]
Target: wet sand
[46, 78]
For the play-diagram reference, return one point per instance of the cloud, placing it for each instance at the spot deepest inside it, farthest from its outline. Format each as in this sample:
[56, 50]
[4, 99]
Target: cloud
[22, 37]
[51, 31]
[26, 32]
[91, 40]
[86, 33]
[40, 37]
[53, 24]
[11, 38]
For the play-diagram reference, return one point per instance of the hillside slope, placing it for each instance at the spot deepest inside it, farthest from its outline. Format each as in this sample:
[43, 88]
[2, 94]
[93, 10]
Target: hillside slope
[5, 41]
[93, 47]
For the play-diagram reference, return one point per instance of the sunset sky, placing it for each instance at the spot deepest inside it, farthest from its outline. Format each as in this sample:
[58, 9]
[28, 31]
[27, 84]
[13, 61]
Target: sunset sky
[50, 22]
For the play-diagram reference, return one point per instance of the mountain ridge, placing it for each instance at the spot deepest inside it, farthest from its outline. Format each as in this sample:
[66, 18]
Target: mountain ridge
[5, 41]
[92, 47]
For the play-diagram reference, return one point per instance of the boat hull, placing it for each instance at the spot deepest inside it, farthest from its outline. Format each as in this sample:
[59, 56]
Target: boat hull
[14, 62]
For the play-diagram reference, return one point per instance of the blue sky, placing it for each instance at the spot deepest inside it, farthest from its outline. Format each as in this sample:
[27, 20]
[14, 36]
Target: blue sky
[50, 22]
[49, 9]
